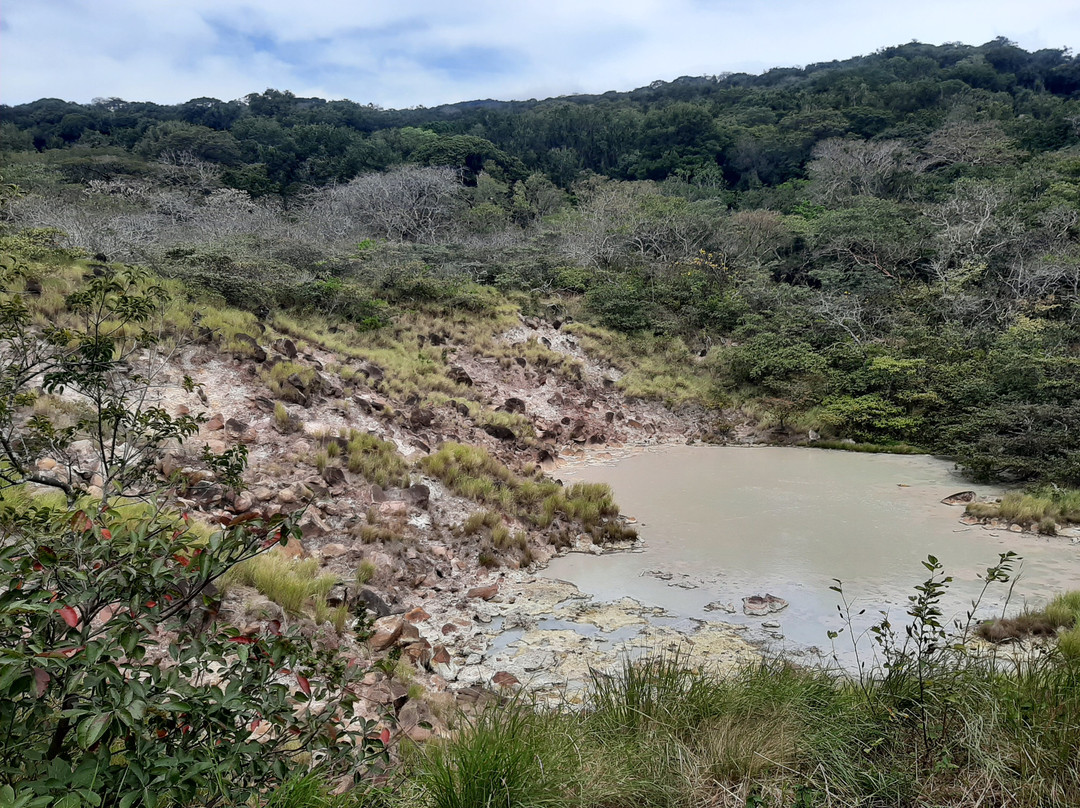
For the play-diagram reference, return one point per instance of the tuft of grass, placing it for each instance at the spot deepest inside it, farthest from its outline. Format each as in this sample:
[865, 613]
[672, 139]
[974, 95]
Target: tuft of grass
[867, 448]
[1044, 508]
[295, 586]
[472, 472]
[1064, 609]
[509, 755]
[377, 460]
[365, 572]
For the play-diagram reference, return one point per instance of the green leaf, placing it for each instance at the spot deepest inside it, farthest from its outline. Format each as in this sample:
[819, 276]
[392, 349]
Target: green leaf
[91, 730]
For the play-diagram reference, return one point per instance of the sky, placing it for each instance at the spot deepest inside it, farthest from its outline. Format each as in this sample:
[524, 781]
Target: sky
[409, 53]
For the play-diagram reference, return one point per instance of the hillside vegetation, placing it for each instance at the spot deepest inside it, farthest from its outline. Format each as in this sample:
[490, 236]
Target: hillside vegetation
[274, 368]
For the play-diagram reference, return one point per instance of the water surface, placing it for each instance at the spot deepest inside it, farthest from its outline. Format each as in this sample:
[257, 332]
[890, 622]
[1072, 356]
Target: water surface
[721, 523]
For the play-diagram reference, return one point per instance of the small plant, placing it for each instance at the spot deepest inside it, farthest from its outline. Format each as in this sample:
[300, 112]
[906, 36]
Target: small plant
[365, 572]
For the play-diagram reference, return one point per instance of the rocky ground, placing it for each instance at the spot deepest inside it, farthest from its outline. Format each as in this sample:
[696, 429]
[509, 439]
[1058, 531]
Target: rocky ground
[462, 630]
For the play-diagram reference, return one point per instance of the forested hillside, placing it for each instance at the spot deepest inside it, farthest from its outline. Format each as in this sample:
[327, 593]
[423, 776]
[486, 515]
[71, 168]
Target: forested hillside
[881, 250]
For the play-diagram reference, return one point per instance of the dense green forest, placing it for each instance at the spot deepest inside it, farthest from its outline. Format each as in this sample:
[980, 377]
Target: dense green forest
[883, 249]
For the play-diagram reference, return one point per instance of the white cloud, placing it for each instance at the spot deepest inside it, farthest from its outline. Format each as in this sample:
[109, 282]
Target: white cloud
[426, 52]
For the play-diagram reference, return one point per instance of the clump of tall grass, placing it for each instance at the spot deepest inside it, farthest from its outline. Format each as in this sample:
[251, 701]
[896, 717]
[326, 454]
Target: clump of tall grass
[288, 379]
[472, 472]
[1043, 508]
[377, 460]
[511, 755]
[296, 586]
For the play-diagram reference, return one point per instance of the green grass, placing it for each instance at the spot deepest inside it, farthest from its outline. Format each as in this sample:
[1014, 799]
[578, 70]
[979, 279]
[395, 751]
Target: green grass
[472, 472]
[659, 732]
[868, 448]
[1041, 508]
[377, 460]
[295, 586]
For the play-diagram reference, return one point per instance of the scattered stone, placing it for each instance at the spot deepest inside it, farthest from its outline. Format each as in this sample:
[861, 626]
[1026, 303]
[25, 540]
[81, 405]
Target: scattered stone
[483, 592]
[216, 422]
[500, 432]
[759, 605]
[333, 550]
[514, 405]
[417, 615]
[385, 632]
[372, 372]
[334, 476]
[717, 606]
[285, 347]
[504, 679]
[373, 602]
[417, 495]
[458, 375]
[770, 624]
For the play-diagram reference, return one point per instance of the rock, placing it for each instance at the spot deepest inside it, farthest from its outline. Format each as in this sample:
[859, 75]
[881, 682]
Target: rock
[504, 679]
[372, 372]
[285, 347]
[263, 493]
[385, 632]
[333, 550]
[960, 498]
[243, 502]
[234, 427]
[759, 605]
[458, 375]
[500, 432]
[483, 592]
[417, 615]
[334, 476]
[717, 606]
[1016, 529]
[418, 653]
[216, 446]
[440, 655]
[286, 496]
[421, 417]
[257, 352]
[292, 548]
[416, 495]
[770, 624]
[514, 405]
[216, 422]
[394, 508]
[373, 602]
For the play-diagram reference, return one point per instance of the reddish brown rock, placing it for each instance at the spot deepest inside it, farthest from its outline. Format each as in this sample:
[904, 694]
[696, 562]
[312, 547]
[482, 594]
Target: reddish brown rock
[216, 422]
[417, 615]
[504, 679]
[440, 654]
[386, 632]
[483, 592]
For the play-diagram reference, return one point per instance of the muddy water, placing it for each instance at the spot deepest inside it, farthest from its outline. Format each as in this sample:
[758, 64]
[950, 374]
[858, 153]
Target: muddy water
[721, 523]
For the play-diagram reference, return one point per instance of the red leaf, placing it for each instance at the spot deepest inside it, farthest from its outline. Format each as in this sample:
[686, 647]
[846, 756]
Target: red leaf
[181, 560]
[255, 723]
[242, 640]
[106, 534]
[274, 627]
[71, 617]
[41, 681]
[162, 734]
[384, 736]
[305, 685]
[81, 522]
[150, 604]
